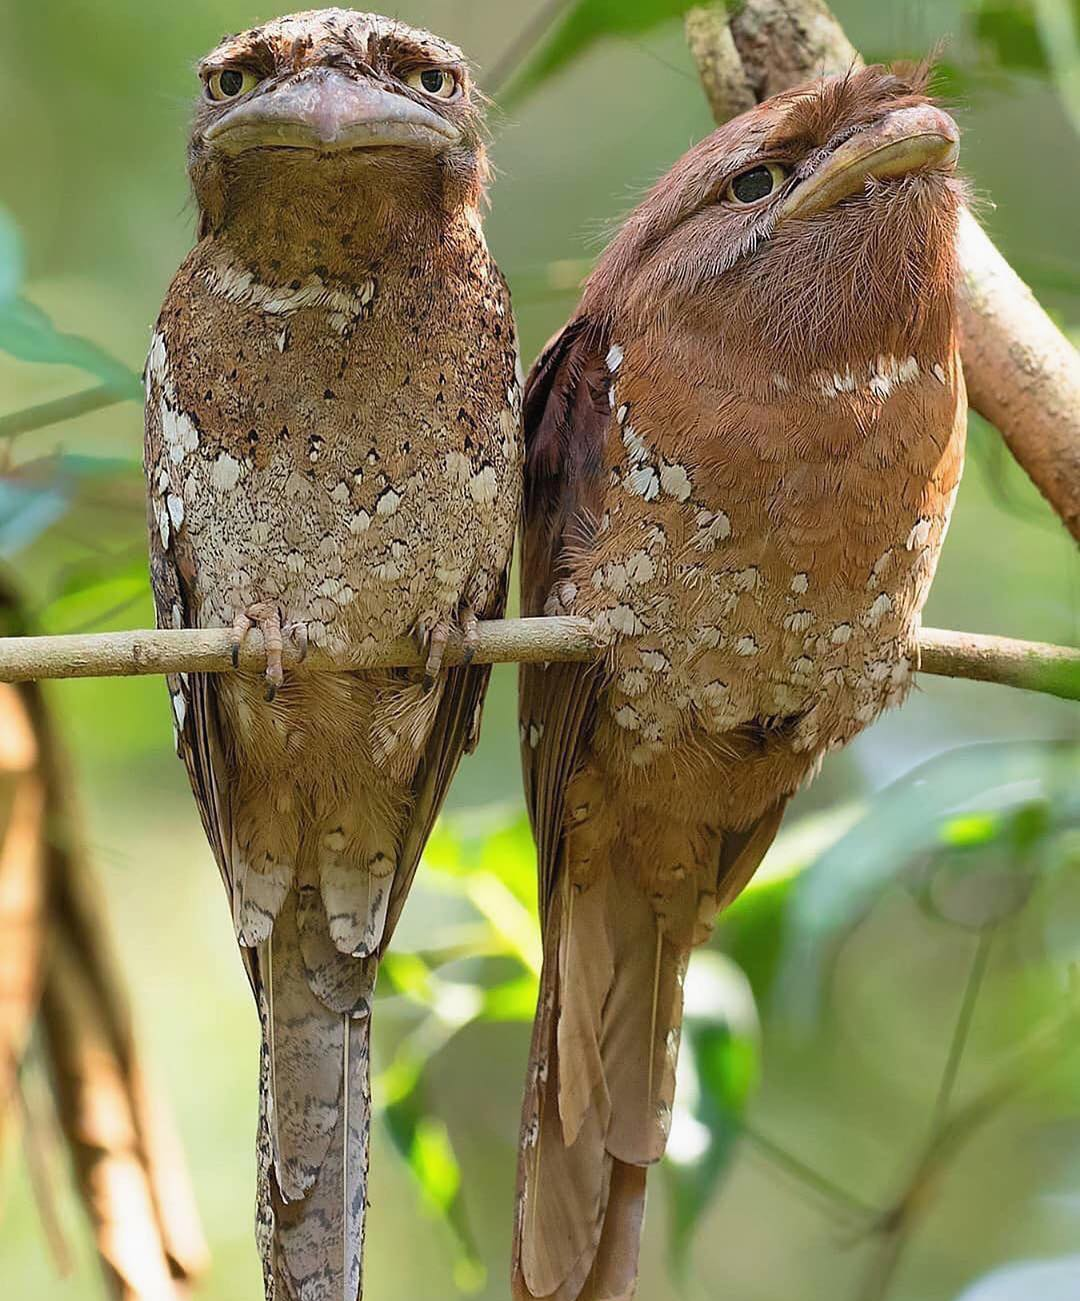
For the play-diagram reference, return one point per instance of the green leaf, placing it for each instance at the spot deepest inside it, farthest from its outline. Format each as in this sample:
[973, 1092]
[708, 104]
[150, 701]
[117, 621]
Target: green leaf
[1008, 31]
[28, 509]
[28, 335]
[11, 258]
[719, 1071]
[584, 23]
[968, 833]
[971, 830]
[424, 1143]
[514, 1000]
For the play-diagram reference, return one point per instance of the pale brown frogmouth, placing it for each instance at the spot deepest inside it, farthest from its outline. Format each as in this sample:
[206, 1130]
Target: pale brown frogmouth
[743, 452]
[333, 456]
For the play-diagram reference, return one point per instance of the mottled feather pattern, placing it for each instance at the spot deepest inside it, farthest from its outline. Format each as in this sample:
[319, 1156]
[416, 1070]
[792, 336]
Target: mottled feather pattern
[742, 457]
[333, 452]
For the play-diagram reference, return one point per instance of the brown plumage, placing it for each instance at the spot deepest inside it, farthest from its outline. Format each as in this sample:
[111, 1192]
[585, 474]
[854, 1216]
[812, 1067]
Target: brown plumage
[742, 453]
[333, 455]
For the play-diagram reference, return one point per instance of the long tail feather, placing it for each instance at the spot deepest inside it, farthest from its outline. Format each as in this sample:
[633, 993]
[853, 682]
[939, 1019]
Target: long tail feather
[601, 1081]
[599, 1093]
[315, 1114]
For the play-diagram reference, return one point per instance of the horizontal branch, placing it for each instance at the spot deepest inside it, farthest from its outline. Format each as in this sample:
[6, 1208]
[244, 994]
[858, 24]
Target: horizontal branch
[1054, 670]
[210, 650]
[1004, 661]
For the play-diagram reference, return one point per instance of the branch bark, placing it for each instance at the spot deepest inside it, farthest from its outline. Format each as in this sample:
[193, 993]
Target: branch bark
[1023, 374]
[1033, 666]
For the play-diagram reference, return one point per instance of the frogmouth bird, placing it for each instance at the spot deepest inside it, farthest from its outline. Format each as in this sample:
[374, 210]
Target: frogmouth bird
[333, 457]
[741, 457]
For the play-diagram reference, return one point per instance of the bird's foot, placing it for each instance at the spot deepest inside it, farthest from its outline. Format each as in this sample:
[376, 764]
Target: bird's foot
[267, 618]
[434, 637]
[437, 640]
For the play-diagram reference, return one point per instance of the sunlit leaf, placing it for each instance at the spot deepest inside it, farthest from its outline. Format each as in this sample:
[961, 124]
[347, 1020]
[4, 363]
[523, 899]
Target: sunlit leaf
[718, 1071]
[509, 853]
[514, 1000]
[513, 922]
[408, 974]
[971, 829]
[91, 608]
[27, 334]
[584, 23]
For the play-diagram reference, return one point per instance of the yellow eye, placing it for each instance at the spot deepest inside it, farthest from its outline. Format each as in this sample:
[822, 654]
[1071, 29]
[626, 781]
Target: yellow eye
[756, 184]
[437, 82]
[229, 83]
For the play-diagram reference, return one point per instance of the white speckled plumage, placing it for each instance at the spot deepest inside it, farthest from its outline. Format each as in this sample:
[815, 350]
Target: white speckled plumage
[332, 453]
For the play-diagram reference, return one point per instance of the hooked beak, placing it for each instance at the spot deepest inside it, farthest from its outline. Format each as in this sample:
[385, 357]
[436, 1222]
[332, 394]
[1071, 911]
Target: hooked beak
[906, 140]
[331, 112]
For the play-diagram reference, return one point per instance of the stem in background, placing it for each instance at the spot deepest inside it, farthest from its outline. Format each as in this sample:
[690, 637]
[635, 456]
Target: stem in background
[508, 63]
[59, 410]
[813, 1179]
[42, 1183]
[960, 1034]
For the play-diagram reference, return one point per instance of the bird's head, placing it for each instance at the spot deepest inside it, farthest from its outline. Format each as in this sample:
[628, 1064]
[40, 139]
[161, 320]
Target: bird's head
[819, 224]
[335, 101]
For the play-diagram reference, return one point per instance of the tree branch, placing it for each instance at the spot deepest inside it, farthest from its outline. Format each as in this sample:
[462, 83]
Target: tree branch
[1023, 374]
[1052, 670]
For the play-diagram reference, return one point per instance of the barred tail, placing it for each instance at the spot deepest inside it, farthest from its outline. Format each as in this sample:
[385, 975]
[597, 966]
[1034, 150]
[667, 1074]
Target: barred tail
[315, 1115]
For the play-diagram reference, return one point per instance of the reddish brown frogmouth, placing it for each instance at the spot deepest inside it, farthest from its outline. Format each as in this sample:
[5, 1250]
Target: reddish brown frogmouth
[742, 454]
[333, 456]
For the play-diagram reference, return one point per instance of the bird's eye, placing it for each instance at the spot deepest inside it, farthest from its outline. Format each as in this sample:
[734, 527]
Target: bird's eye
[756, 184]
[434, 81]
[229, 83]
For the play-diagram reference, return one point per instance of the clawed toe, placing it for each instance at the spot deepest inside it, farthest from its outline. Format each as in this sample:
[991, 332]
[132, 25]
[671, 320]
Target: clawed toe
[437, 642]
[434, 640]
[470, 628]
[268, 621]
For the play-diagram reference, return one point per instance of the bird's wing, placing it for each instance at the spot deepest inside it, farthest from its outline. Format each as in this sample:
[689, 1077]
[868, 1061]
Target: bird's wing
[454, 733]
[567, 414]
[199, 740]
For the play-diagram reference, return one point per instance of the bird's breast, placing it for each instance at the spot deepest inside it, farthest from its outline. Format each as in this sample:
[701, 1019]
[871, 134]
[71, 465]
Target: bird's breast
[334, 452]
[766, 562]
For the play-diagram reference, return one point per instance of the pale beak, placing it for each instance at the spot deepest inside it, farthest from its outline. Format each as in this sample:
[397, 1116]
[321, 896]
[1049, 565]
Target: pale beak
[329, 111]
[906, 140]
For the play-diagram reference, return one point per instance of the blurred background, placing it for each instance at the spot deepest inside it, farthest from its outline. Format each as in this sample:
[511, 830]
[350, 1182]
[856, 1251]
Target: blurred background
[881, 1089]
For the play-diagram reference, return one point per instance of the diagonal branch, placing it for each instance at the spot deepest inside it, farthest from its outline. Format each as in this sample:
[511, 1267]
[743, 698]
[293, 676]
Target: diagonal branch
[59, 410]
[1023, 374]
[1033, 666]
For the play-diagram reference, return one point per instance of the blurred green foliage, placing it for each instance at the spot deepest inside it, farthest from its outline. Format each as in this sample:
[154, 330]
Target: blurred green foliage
[879, 1092]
